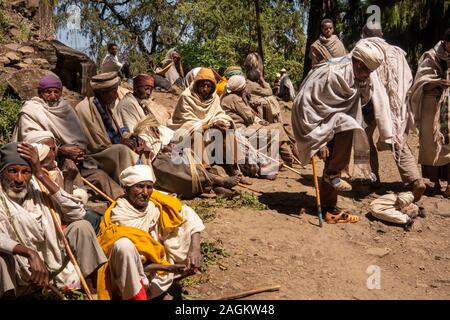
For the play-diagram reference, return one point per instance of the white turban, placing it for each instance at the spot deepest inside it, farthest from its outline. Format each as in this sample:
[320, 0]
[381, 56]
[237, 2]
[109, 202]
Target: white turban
[369, 53]
[42, 150]
[36, 136]
[135, 174]
[235, 84]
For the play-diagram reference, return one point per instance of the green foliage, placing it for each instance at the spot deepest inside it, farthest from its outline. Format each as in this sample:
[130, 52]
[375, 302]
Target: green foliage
[207, 208]
[212, 33]
[212, 252]
[9, 110]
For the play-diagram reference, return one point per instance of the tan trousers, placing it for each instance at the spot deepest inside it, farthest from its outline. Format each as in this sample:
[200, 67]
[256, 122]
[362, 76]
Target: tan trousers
[83, 242]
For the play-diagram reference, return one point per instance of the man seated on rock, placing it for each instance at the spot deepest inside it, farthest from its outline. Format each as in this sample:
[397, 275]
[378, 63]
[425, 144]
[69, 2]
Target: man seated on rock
[198, 110]
[31, 251]
[327, 121]
[49, 111]
[286, 92]
[148, 236]
[98, 118]
[246, 121]
[138, 115]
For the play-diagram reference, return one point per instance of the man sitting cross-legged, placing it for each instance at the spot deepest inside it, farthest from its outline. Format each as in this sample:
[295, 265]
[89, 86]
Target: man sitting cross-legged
[144, 233]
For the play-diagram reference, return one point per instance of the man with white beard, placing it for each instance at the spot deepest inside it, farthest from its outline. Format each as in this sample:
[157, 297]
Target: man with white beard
[31, 253]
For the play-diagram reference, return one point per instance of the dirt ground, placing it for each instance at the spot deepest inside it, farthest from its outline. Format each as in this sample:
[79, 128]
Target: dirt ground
[284, 246]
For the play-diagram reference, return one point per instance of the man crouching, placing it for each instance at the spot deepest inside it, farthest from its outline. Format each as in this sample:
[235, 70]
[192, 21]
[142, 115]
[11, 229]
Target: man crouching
[148, 236]
[31, 253]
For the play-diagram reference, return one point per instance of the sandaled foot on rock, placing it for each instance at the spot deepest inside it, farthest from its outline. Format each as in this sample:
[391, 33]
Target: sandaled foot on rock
[337, 183]
[226, 182]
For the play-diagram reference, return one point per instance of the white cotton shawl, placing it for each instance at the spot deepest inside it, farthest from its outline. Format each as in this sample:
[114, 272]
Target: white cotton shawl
[61, 120]
[191, 113]
[329, 102]
[31, 225]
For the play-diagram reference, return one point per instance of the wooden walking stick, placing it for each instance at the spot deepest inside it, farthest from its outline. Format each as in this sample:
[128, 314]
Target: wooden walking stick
[316, 186]
[66, 243]
[90, 185]
[248, 293]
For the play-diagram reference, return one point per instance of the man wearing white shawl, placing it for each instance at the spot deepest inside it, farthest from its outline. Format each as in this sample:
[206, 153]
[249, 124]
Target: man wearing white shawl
[50, 112]
[430, 104]
[327, 117]
[389, 110]
[144, 209]
[31, 252]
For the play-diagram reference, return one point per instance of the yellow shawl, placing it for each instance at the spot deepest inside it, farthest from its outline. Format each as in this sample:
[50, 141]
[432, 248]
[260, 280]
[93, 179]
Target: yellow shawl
[148, 247]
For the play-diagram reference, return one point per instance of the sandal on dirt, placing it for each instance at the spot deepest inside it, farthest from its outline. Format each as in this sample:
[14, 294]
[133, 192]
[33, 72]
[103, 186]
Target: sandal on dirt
[342, 217]
[337, 183]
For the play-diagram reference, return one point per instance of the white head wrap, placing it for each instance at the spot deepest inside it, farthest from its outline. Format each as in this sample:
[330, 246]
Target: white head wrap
[42, 150]
[235, 84]
[135, 174]
[369, 53]
[36, 136]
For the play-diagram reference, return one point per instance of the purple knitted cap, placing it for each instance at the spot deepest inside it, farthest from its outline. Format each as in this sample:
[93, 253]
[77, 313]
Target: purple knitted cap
[49, 81]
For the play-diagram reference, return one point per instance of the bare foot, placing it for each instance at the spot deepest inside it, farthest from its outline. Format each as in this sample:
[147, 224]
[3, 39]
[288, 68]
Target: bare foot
[226, 182]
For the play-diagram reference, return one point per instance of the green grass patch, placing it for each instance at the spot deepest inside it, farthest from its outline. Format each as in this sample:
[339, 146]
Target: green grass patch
[207, 208]
[9, 110]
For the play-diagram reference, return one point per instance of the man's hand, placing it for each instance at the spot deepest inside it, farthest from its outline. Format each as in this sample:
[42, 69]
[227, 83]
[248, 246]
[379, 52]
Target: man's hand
[30, 154]
[39, 272]
[444, 83]
[324, 153]
[194, 256]
[72, 152]
[221, 125]
[69, 169]
[130, 143]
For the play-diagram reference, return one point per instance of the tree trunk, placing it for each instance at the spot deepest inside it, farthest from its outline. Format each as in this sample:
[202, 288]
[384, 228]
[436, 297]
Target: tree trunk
[258, 29]
[46, 26]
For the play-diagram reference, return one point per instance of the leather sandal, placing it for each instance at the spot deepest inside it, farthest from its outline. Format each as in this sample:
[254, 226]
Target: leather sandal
[342, 217]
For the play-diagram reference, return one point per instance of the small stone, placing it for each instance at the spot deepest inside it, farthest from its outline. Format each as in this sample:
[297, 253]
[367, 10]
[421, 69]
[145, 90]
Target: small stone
[28, 61]
[422, 268]
[22, 65]
[26, 50]
[379, 252]
[12, 46]
[377, 239]
[12, 56]
[15, 32]
[4, 60]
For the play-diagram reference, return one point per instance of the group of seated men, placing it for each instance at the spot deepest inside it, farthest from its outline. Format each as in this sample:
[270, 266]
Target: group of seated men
[125, 145]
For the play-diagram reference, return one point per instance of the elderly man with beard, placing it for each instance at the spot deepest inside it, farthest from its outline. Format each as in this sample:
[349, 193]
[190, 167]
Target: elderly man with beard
[148, 237]
[327, 120]
[198, 110]
[50, 112]
[146, 121]
[106, 142]
[31, 252]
